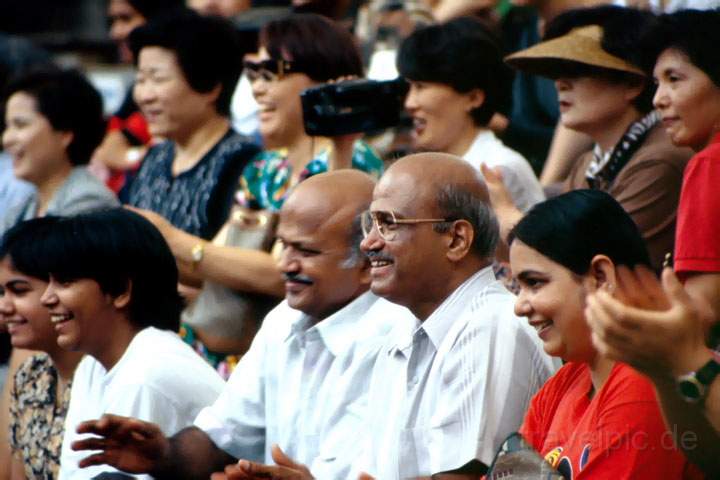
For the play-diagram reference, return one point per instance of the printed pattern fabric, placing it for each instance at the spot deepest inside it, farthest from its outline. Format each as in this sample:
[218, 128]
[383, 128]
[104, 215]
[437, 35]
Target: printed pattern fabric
[266, 180]
[37, 419]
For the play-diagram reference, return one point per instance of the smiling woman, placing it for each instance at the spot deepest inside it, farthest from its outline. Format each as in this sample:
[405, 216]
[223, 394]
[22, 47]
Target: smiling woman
[53, 123]
[595, 417]
[40, 389]
[184, 94]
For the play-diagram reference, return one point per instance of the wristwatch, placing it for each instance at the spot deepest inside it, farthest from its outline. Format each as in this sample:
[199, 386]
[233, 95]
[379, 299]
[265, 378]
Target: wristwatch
[693, 386]
[197, 253]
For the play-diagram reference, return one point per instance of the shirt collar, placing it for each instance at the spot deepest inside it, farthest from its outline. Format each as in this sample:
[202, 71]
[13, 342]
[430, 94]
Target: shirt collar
[439, 322]
[437, 325]
[335, 330]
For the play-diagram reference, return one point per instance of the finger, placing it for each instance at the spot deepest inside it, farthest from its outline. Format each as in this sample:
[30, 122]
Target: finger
[94, 443]
[252, 469]
[652, 288]
[365, 476]
[102, 426]
[492, 175]
[615, 315]
[628, 288]
[281, 458]
[218, 476]
[100, 458]
[236, 472]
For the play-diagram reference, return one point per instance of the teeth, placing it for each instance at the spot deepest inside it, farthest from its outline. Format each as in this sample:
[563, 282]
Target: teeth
[541, 326]
[380, 263]
[59, 318]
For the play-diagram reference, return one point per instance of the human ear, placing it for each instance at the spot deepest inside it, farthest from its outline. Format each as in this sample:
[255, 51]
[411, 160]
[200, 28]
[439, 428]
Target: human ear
[602, 273]
[461, 239]
[123, 300]
[475, 97]
[66, 138]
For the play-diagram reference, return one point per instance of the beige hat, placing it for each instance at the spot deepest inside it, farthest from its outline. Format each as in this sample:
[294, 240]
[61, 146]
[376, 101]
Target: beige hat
[580, 45]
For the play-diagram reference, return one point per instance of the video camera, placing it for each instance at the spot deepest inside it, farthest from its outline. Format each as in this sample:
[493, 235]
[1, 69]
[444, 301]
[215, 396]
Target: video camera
[353, 106]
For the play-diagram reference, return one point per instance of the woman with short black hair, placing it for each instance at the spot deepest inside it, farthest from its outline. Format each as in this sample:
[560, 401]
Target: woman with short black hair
[188, 66]
[53, 122]
[457, 83]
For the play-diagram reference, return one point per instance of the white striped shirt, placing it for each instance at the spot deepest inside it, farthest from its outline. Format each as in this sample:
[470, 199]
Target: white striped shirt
[451, 389]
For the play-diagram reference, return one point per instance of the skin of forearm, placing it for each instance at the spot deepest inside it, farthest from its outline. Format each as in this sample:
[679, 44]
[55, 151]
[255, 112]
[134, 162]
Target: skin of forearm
[705, 287]
[191, 456]
[694, 429]
[240, 269]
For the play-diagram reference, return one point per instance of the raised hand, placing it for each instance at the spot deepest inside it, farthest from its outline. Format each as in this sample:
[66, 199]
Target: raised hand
[125, 443]
[655, 327]
[286, 469]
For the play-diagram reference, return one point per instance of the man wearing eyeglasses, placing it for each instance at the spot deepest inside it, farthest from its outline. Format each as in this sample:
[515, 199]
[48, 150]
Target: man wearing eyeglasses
[303, 383]
[446, 392]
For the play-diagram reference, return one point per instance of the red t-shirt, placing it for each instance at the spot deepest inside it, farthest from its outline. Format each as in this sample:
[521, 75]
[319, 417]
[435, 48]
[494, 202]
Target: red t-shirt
[697, 237]
[618, 434]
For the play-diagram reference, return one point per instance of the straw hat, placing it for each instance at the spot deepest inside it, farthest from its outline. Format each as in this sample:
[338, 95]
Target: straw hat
[580, 45]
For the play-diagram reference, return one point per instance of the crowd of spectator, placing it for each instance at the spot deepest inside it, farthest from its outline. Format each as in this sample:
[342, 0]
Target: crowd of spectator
[520, 279]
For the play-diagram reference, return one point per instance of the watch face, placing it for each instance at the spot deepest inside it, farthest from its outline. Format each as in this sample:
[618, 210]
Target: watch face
[690, 390]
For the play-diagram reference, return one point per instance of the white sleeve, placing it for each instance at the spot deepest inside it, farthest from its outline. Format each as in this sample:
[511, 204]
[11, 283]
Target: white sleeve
[236, 421]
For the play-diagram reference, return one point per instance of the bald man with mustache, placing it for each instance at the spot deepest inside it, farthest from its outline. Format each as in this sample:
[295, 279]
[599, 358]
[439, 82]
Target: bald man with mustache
[303, 383]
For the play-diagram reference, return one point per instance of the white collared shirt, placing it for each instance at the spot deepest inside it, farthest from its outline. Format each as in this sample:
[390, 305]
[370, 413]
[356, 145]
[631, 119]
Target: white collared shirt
[159, 379]
[518, 175]
[304, 387]
[452, 389]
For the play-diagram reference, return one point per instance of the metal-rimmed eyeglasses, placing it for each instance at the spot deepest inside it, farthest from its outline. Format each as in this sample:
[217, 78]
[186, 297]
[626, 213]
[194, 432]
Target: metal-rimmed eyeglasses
[387, 223]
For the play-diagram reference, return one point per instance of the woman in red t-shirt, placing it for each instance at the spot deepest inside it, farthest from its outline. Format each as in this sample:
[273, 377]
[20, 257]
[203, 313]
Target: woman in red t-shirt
[595, 418]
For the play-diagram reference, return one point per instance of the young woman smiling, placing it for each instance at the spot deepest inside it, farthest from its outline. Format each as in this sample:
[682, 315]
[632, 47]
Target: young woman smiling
[595, 418]
[40, 389]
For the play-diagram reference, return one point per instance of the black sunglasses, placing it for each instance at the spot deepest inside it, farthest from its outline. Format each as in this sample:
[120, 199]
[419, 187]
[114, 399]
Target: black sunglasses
[269, 70]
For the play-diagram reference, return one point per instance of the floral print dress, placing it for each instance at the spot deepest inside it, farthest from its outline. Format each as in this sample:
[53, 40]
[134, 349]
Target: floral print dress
[37, 419]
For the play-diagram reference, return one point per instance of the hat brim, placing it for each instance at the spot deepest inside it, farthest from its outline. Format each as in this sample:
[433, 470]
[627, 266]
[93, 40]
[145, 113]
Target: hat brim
[551, 58]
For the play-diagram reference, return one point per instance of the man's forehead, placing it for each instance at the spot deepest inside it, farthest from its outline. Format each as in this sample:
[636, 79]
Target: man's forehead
[400, 191]
[314, 225]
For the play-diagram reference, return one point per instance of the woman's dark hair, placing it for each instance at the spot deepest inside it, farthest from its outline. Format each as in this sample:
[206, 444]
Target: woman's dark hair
[208, 50]
[464, 54]
[696, 33]
[116, 248]
[574, 227]
[621, 37]
[69, 102]
[321, 48]
[154, 8]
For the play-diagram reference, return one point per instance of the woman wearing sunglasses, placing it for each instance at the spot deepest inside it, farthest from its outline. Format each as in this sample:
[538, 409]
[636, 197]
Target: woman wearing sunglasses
[296, 53]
